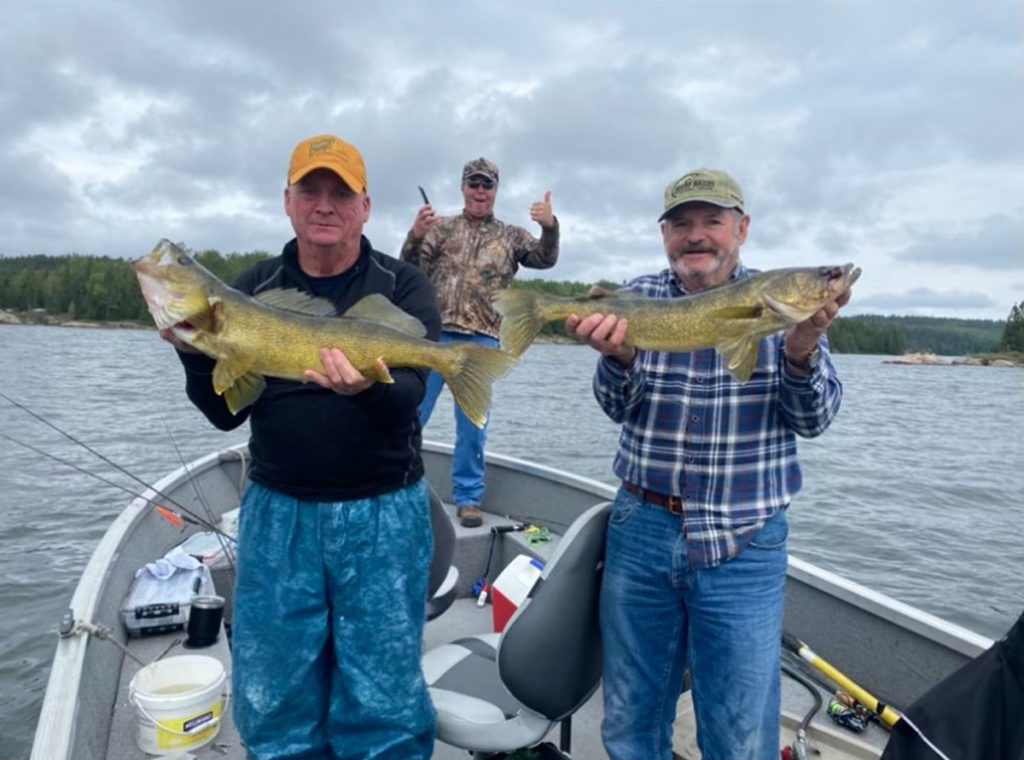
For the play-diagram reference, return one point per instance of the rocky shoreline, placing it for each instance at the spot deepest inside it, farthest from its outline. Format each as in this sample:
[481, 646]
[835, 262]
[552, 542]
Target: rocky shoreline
[42, 318]
[985, 360]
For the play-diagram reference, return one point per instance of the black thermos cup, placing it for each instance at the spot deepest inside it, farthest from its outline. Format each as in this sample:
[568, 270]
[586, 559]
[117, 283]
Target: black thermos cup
[204, 620]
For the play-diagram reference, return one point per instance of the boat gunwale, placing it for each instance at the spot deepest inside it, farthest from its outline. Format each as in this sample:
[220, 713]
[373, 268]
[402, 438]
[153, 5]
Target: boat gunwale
[55, 730]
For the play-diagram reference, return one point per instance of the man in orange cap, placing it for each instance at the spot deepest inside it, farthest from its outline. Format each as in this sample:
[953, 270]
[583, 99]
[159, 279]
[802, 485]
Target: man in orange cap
[327, 625]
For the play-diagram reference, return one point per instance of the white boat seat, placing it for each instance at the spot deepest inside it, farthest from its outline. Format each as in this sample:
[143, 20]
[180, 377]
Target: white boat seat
[443, 583]
[502, 692]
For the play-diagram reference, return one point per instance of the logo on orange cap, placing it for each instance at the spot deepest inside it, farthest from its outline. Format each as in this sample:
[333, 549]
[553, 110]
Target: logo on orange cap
[328, 152]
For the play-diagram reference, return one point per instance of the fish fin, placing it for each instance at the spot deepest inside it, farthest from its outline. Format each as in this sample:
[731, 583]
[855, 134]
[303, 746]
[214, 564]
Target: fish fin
[785, 310]
[596, 291]
[740, 356]
[245, 391]
[226, 372]
[377, 308]
[379, 371]
[290, 299]
[521, 319]
[473, 375]
[238, 386]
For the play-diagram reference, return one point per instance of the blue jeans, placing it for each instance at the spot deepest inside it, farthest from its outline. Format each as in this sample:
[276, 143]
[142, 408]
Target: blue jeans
[468, 458]
[659, 615]
[329, 611]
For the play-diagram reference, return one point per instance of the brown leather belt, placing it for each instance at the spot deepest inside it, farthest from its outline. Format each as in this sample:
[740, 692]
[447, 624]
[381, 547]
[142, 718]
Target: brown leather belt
[673, 504]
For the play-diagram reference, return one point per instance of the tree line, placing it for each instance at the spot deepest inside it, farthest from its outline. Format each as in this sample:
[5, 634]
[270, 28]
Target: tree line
[94, 288]
[101, 288]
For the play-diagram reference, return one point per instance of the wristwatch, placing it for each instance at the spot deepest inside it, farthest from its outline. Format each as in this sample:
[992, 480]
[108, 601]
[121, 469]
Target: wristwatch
[808, 363]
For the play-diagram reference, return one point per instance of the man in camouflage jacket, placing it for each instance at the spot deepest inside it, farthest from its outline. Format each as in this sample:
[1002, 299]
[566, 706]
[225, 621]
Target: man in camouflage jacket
[468, 258]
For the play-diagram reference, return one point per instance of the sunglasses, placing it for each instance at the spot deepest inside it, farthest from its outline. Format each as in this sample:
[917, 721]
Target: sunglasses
[473, 184]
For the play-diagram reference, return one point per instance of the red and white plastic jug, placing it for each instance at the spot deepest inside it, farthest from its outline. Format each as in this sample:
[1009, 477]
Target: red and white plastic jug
[511, 587]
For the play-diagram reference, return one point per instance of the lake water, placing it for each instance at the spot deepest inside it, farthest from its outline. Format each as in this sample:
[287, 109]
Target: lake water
[916, 490]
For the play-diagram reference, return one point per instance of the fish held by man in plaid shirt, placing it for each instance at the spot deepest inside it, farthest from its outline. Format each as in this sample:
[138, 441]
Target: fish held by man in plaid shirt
[730, 318]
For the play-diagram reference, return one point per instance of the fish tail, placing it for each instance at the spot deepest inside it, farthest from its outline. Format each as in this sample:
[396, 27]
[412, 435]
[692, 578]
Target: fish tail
[472, 374]
[521, 318]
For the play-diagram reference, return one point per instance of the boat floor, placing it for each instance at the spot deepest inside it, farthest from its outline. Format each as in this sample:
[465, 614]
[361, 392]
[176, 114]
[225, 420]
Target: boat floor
[465, 618]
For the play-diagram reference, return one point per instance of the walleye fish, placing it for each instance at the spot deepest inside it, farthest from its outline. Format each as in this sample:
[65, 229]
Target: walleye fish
[731, 318]
[279, 333]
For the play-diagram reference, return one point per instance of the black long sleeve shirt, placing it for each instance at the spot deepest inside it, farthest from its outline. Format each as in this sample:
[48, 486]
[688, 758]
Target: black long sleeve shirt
[307, 441]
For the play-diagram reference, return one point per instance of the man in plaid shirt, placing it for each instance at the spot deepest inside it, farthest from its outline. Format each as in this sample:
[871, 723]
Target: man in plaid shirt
[696, 547]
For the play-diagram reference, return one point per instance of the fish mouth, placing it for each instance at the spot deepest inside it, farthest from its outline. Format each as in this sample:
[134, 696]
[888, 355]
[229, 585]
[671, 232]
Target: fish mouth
[839, 278]
[183, 326]
[166, 306]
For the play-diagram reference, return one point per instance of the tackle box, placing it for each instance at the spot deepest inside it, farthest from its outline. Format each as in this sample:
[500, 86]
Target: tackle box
[158, 605]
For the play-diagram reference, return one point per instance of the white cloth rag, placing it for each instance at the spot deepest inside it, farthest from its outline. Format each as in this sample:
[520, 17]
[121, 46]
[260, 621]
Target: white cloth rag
[176, 559]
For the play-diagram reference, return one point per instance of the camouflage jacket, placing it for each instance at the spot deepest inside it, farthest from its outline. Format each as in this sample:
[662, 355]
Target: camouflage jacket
[469, 260]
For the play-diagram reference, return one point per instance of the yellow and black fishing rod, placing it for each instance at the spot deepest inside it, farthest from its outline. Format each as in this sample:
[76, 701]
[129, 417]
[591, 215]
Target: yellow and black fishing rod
[886, 714]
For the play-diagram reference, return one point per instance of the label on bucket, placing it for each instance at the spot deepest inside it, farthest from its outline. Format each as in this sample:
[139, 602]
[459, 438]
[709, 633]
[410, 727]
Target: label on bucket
[200, 720]
[188, 724]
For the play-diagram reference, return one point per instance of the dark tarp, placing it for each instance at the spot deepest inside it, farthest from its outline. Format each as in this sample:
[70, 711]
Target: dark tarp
[976, 713]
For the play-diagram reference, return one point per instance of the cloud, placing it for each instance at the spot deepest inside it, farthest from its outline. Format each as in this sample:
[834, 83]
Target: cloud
[884, 133]
[995, 242]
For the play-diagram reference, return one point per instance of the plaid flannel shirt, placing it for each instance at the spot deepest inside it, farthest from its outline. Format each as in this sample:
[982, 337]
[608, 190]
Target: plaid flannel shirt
[728, 449]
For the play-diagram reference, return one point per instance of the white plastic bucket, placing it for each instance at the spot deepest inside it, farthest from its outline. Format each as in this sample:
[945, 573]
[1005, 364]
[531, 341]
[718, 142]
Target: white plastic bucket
[179, 701]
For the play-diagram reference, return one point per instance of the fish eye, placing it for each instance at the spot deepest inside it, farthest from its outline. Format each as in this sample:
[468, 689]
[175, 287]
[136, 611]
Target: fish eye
[184, 260]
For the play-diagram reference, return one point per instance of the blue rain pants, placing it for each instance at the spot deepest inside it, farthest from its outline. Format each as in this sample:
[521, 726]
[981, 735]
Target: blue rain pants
[328, 619]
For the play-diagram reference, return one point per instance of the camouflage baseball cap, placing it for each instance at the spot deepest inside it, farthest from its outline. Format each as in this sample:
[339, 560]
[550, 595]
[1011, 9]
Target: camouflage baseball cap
[706, 185]
[482, 167]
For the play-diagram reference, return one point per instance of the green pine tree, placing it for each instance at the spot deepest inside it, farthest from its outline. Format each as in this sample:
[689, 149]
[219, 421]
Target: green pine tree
[1013, 333]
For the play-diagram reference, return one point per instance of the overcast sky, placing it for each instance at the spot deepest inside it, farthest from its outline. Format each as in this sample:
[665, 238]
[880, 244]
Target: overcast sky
[884, 133]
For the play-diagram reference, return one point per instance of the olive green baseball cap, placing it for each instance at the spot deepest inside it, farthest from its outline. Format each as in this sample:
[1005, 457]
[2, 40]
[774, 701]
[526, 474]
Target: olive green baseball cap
[704, 185]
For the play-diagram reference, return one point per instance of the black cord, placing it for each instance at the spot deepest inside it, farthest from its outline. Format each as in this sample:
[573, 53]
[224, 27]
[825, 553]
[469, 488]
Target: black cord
[490, 553]
[799, 678]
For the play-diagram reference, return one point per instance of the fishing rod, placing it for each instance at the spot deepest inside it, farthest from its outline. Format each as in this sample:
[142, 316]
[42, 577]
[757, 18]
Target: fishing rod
[199, 493]
[177, 519]
[885, 713]
[889, 716]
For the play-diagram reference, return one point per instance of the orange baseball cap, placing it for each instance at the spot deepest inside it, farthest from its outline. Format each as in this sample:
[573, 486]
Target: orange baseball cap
[328, 152]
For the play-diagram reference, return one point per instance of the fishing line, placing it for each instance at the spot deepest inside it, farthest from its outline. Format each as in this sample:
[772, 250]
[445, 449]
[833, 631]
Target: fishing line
[196, 519]
[191, 516]
[83, 444]
[74, 440]
[199, 493]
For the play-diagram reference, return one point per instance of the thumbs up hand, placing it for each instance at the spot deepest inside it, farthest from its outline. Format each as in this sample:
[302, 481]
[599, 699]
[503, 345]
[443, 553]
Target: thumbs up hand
[540, 212]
